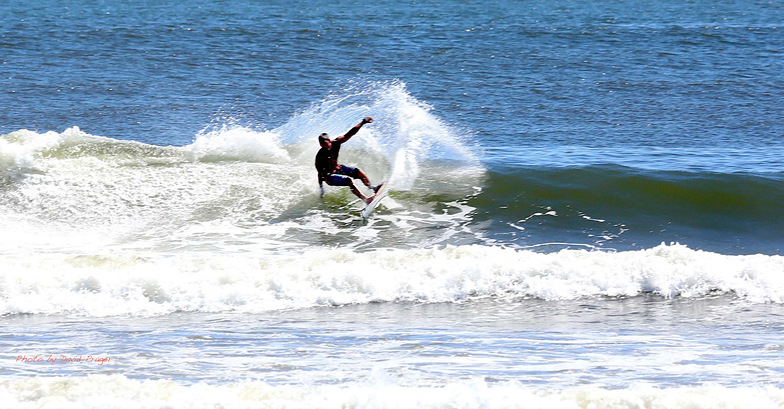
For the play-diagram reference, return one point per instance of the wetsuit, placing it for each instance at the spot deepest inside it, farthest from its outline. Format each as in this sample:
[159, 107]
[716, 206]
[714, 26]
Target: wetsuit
[330, 171]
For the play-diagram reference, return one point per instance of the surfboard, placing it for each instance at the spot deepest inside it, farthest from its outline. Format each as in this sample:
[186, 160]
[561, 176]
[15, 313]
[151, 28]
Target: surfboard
[380, 194]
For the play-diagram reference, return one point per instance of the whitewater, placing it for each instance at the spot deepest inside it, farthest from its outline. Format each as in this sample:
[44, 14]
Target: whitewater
[220, 255]
[147, 284]
[233, 222]
[585, 205]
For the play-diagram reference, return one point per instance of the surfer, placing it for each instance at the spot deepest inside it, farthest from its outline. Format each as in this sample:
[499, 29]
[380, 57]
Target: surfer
[335, 174]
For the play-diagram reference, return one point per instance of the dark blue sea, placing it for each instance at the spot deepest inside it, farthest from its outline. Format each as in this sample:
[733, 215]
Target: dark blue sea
[585, 208]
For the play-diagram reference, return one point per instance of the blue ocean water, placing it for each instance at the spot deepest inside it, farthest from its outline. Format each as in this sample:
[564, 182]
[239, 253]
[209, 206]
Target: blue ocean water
[585, 204]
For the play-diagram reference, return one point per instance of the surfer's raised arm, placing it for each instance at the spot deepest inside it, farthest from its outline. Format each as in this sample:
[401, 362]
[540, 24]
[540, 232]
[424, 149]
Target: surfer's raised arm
[353, 131]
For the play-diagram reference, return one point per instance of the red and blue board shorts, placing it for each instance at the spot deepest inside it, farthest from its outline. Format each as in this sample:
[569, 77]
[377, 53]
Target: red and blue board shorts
[342, 176]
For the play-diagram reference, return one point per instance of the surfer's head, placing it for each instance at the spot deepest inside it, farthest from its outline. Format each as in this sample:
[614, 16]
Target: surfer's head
[324, 140]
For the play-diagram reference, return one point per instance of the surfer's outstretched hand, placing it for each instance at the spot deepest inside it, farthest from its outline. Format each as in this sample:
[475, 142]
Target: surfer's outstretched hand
[367, 120]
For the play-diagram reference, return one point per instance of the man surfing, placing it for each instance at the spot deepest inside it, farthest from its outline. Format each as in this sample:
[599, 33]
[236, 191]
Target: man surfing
[334, 174]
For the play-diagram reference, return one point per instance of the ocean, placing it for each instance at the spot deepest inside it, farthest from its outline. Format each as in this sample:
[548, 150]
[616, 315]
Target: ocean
[585, 210]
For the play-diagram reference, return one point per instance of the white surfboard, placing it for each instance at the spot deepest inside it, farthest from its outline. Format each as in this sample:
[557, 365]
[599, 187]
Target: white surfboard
[380, 194]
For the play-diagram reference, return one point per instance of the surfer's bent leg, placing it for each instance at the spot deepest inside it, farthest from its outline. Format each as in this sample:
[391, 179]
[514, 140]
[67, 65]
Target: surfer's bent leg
[361, 176]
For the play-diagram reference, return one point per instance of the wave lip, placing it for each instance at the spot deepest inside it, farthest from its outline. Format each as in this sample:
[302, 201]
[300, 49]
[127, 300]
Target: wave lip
[20, 149]
[724, 212]
[238, 143]
[132, 285]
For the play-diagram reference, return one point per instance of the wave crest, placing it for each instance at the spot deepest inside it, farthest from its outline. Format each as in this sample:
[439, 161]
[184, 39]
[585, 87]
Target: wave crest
[116, 285]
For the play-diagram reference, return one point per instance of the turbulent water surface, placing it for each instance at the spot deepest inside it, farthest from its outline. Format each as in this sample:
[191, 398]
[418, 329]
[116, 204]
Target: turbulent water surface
[585, 204]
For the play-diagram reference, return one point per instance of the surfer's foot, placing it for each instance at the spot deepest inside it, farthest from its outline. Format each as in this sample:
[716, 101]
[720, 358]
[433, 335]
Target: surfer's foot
[375, 189]
[369, 199]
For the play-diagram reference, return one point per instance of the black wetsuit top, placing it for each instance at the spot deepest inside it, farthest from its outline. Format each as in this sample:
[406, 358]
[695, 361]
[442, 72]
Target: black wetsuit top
[327, 160]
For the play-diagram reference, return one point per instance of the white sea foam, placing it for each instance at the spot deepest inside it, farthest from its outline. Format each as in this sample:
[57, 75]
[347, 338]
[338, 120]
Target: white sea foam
[404, 136]
[112, 284]
[23, 149]
[106, 227]
[238, 143]
[74, 192]
[116, 391]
